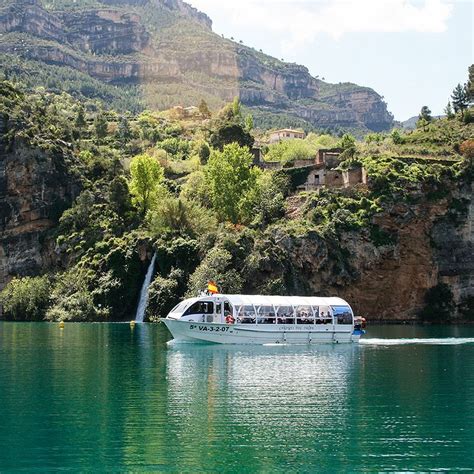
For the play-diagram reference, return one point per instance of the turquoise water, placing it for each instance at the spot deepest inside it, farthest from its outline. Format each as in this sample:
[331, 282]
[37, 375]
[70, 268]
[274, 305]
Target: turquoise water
[104, 397]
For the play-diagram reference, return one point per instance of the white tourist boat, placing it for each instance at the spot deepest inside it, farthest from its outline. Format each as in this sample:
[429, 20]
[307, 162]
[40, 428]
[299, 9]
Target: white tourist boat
[245, 319]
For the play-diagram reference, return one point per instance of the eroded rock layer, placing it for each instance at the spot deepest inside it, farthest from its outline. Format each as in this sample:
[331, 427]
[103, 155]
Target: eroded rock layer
[163, 42]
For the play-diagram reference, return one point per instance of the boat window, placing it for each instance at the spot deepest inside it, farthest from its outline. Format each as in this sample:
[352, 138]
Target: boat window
[200, 307]
[179, 307]
[266, 315]
[218, 308]
[342, 314]
[304, 315]
[323, 315]
[227, 308]
[246, 314]
[285, 315]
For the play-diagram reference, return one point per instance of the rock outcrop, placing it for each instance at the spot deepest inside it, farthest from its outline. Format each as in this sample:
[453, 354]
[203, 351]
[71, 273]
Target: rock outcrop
[36, 185]
[432, 242]
[163, 42]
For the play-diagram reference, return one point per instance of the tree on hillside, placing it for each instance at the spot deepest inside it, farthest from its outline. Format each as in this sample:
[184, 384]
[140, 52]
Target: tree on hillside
[249, 123]
[347, 141]
[460, 99]
[100, 125]
[348, 144]
[425, 113]
[236, 108]
[119, 196]
[204, 109]
[203, 152]
[424, 118]
[80, 121]
[231, 181]
[231, 133]
[124, 133]
[146, 177]
[397, 137]
[448, 110]
[470, 84]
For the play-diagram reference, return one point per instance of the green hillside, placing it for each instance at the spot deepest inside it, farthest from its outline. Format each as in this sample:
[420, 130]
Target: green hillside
[209, 214]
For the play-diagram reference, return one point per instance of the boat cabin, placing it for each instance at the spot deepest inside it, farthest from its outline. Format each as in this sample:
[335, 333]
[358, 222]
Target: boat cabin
[256, 309]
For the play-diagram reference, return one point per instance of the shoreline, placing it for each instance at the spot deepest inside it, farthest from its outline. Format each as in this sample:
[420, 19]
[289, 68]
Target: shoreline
[376, 322]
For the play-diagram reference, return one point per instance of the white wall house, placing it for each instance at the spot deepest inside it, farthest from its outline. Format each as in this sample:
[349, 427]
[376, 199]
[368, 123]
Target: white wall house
[285, 134]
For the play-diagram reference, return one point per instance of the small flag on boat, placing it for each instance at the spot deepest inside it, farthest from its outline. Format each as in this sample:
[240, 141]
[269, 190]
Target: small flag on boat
[212, 287]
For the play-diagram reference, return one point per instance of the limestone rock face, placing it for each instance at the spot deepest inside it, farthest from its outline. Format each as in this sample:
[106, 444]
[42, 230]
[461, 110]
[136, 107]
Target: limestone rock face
[387, 282]
[162, 42]
[35, 187]
[453, 238]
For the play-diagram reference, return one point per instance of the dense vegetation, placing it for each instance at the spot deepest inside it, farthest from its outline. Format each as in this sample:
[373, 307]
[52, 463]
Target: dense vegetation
[186, 188]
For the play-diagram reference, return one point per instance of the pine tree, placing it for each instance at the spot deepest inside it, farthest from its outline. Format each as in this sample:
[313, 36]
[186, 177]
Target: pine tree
[124, 133]
[80, 121]
[424, 118]
[460, 98]
[425, 113]
[101, 125]
[448, 110]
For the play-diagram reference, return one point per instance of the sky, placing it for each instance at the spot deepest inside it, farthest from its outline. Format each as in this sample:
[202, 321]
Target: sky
[412, 52]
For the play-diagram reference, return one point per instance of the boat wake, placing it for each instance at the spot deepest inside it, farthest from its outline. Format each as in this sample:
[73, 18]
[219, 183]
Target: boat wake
[448, 341]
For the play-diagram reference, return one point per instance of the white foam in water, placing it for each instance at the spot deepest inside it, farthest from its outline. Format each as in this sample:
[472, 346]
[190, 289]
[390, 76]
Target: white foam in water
[430, 341]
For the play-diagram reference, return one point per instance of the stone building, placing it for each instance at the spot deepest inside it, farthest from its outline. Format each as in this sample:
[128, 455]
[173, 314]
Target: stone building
[322, 170]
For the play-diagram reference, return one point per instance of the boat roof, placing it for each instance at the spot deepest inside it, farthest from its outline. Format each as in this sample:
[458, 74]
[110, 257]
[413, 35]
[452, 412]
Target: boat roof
[263, 300]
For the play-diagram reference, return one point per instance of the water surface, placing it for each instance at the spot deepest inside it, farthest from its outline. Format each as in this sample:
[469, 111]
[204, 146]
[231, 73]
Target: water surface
[103, 397]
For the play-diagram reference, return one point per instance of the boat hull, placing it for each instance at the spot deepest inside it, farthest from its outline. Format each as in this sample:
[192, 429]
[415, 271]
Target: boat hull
[186, 331]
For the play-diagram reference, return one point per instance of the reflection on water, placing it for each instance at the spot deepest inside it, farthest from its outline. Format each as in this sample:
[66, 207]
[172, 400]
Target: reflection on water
[102, 397]
[431, 340]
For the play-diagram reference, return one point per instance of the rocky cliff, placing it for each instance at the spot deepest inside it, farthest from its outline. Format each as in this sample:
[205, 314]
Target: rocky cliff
[168, 47]
[36, 185]
[430, 242]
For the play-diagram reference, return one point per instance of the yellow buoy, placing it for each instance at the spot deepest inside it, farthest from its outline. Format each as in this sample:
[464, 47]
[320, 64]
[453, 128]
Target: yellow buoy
[132, 323]
[61, 324]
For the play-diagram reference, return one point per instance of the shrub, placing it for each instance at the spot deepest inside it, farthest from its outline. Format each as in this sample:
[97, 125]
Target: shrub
[468, 117]
[397, 137]
[163, 294]
[175, 146]
[287, 151]
[216, 266]
[179, 216]
[27, 298]
[72, 300]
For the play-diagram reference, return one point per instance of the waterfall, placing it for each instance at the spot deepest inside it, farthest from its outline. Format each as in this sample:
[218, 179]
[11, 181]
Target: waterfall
[142, 304]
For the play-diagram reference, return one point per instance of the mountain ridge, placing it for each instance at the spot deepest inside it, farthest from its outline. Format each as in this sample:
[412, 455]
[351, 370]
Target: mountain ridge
[167, 47]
